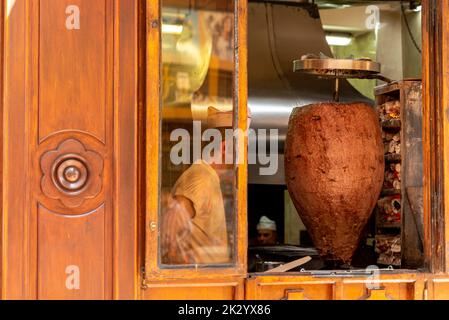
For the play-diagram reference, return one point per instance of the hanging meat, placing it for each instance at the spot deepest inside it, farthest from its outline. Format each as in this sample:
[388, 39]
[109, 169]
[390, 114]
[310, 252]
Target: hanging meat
[334, 167]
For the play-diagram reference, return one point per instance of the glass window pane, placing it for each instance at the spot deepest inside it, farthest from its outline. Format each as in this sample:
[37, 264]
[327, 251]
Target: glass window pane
[197, 215]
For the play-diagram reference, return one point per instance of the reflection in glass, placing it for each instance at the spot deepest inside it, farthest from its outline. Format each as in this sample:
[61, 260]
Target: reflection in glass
[197, 219]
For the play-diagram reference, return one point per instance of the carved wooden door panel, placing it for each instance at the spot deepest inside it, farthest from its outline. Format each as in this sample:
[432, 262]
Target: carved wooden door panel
[71, 149]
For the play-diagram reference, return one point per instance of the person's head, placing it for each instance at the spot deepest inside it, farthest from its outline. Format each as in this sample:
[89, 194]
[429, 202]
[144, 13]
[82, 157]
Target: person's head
[266, 232]
[220, 123]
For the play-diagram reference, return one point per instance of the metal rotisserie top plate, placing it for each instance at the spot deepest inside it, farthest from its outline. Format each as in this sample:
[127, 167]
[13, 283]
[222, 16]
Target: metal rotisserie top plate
[338, 68]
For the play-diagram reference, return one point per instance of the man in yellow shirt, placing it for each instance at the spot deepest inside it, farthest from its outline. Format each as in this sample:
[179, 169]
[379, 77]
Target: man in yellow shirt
[194, 228]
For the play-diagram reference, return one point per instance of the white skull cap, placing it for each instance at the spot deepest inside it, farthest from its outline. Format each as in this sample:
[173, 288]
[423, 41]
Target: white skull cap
[266, 224]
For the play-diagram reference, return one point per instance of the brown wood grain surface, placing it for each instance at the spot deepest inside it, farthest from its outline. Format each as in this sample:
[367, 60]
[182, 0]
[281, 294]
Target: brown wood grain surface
[2, 24]
[435, 123]
[74, 97]
[444, 83]
[306, 287]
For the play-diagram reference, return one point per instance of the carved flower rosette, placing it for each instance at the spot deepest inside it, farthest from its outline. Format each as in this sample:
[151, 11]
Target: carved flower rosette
[71, 173]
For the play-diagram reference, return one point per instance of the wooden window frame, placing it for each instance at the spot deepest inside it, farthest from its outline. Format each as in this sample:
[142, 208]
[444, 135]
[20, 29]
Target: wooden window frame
[435, 47]
[153, 271]
[435, 17]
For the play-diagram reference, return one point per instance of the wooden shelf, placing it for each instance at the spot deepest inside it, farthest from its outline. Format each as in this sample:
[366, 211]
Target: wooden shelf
[393, 158]
[394, 86]
[408, 94]
[392, 124]
[390, 192]
[398, 265]
[396, 225]
[387, 88]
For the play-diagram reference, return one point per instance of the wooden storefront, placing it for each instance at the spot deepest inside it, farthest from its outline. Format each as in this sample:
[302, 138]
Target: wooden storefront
[104, 119]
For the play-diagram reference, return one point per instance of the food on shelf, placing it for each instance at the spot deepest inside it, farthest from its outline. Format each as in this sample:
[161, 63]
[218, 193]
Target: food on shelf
[389, 210]
[389, 249]
[393, 147]
[392, 142]
[389, 206]
[393, 176]
[390, 110]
